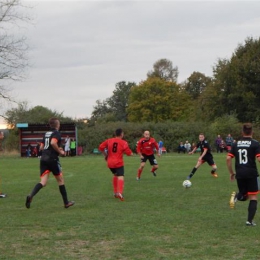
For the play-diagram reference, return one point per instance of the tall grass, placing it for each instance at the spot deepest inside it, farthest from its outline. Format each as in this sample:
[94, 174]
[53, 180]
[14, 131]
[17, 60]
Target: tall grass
[158, 220]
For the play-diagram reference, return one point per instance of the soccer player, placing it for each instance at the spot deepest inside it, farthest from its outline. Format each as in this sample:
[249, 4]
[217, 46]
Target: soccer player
[49, 162]
[113, 149]
[245, 151]
[205, 156]
[145, 149]
[160, 144]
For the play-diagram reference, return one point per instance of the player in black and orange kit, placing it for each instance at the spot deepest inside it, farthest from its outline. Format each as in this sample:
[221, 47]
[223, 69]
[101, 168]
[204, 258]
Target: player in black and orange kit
[205, 156]
[49, 162]
[245, 151]
[113, 149]
[145, 149]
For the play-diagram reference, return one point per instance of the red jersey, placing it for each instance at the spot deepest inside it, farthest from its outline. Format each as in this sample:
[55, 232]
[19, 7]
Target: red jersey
[116, 148]
[147, 146]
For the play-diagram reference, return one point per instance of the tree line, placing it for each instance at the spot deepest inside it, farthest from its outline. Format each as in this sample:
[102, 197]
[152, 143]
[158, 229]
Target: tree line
[172, 111]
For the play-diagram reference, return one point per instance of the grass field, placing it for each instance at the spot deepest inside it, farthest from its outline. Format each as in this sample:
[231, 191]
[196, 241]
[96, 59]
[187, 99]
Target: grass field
[158, 220]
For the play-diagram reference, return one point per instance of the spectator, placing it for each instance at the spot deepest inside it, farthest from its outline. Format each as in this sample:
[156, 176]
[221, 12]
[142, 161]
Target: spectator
[181, 148]
[28, 150]
[217, 143]
[160, 144]
[229, 142]
[67, 146]
[187, 146]
[73, 147]
[222, 146]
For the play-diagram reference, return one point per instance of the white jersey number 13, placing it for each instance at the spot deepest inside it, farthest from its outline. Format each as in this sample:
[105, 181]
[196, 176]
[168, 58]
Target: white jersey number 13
[243, 156]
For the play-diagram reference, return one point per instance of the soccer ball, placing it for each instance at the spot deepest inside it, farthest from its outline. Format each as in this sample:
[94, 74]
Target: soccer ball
[186, 184]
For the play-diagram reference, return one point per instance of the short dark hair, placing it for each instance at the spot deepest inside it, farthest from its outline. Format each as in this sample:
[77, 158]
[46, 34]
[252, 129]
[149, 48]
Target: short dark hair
[53, 122]
[247, 128]
[118, 131]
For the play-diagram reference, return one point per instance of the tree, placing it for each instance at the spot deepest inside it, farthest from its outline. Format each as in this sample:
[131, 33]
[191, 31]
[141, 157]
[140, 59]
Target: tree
[38, 114]
[118, 102]
[164, 70]
[13, 48]
[196, 84]
[237, 81]
[100, 110]
[156, 100]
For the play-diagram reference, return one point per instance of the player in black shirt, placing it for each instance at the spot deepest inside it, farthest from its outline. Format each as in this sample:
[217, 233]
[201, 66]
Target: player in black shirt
[49, 162]
[205, 156]
[245, 152]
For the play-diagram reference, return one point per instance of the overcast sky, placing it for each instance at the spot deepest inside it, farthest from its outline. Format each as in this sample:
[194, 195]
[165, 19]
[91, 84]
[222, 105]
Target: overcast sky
[79, 50]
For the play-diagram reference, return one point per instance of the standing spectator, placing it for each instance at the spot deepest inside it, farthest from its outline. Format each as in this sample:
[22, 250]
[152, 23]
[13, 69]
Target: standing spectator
[73, 147]
[245, 151]
[205, 156]
[113, 149]
[28, 150]
[145, 150]
[222, 146]
[49, 162]
[160, 144]
[181, 148]
[217, 143]
[67, 146]
[229, 142]
[187, 146]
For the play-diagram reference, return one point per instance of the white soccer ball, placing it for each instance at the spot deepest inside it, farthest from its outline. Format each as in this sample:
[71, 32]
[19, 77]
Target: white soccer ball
[186, 184]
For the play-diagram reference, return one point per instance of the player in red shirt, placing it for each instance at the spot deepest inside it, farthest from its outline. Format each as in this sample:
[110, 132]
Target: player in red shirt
[113, 149]
[145, 148]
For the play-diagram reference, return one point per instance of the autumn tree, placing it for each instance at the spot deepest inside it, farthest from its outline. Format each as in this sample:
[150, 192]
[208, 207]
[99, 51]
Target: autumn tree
[156, 100]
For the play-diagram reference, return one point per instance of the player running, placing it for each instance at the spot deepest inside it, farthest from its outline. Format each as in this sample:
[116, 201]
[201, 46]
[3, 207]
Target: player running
[113, 149]
[205, 156]
[245, 151]
[145, 149]
[49, 162]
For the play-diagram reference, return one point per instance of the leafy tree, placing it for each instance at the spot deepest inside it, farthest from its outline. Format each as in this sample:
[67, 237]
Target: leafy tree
[196, 84]
[13, 48]
[236, 83]
[164, 70]
[38, 114]
[156, 100]
[118, 102]
[101, 109]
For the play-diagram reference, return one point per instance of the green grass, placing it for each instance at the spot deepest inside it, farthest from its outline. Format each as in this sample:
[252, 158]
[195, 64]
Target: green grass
[158, 220]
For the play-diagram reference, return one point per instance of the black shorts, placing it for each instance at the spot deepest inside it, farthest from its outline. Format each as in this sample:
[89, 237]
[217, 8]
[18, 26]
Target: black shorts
[50, 166]
[151, 159]
[118, 171]
[248, 186]
[208, 159]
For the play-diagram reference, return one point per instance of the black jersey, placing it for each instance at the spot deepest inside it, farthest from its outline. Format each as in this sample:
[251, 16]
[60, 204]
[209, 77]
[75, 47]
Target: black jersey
[48, 152]
[245, 152]
[204, 145]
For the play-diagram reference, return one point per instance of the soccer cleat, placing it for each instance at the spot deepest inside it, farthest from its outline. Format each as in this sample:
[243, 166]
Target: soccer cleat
[28, 202]
[214, 175]
[248, 223]
[120, 196]
[137, 178]
[154, 173]
[69, 204]
[116, 195]
[233, 200]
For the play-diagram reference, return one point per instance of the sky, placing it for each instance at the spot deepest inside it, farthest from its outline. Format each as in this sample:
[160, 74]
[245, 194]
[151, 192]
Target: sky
[79, 50]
